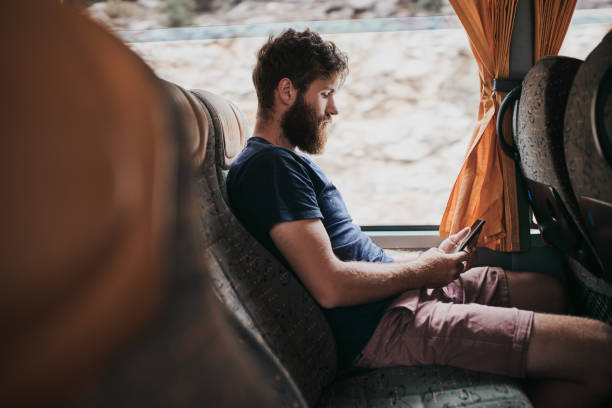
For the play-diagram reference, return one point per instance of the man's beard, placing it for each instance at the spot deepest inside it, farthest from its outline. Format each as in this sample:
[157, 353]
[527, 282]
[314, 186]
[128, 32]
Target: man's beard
[302, 128]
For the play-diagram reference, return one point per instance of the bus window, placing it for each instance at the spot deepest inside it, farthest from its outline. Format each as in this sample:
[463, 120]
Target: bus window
[407, 108]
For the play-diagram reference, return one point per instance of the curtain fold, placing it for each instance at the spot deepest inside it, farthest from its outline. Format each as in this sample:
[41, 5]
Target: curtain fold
[486, 185]
[551, 21]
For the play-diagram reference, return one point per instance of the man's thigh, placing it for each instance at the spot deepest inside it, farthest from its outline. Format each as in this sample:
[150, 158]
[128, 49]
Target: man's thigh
[473, 336]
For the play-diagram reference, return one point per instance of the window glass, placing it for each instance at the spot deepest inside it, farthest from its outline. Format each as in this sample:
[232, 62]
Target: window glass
[406, 113]
[407, 109]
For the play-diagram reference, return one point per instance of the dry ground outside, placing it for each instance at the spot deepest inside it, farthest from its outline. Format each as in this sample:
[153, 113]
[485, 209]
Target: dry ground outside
[407, 110]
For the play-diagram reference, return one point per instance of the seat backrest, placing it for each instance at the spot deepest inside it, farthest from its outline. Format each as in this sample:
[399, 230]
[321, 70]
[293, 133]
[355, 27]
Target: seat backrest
[85, 200]
[539, 138]
[194, 352]
[588, 146]
[103, 303]
[254, 284]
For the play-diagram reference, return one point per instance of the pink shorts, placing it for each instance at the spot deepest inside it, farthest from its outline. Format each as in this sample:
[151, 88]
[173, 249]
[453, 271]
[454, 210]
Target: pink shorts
[466, 324]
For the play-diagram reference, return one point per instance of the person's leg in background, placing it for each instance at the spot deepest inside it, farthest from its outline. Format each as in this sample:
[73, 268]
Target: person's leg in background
[536, 291]
[570, 361]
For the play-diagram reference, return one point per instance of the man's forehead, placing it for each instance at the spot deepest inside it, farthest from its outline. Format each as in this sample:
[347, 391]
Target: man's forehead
[325, 83]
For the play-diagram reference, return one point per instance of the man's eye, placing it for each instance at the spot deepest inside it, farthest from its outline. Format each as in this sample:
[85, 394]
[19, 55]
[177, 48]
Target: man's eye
[325, 95]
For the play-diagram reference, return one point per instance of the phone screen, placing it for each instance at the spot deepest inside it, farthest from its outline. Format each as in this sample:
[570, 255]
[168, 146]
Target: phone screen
[473, 235]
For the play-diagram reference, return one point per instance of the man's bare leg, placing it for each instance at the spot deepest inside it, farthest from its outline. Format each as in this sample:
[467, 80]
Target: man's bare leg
[570, 361]
[536, 291]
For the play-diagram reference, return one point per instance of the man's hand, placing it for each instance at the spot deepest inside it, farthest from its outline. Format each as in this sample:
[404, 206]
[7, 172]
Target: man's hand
[451, 243]
[442, 268]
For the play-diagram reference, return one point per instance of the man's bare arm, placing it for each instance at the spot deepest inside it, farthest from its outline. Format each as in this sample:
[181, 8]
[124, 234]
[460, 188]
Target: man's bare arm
[448, 245]
[403, 256]
[306, 246]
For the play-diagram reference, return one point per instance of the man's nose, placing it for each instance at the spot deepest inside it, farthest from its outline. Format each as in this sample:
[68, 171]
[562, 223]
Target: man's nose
[331, 108]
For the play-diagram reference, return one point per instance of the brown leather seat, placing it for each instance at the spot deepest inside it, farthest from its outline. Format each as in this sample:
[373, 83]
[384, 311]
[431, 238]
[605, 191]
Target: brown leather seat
[104, 302]
[87, 205]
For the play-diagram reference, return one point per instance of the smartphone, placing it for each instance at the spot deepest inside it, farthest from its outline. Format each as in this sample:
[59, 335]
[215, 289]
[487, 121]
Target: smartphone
[473, 235]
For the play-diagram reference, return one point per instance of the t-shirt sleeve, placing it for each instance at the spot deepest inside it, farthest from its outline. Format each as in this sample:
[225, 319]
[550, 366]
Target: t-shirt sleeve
[278, 188]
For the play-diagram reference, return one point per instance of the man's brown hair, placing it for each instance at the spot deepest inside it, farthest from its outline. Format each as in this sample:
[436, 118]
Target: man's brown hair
[300, 56]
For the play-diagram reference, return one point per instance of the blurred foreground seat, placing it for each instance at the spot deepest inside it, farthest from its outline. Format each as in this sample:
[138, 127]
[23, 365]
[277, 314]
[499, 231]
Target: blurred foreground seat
[103, 300]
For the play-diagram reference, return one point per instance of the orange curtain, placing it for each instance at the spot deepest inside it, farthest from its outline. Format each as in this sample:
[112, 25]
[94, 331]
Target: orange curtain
[551, 21]
[486, 185]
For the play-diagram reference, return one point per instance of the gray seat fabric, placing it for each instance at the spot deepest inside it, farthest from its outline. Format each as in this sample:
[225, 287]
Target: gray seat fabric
[268, 298]
[539, 138]
[430, 387]
[539, 130]
[272, 303]
[587, 136]
[587, 155]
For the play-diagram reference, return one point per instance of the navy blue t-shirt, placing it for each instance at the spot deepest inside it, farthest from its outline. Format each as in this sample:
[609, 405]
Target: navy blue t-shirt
[268, 184]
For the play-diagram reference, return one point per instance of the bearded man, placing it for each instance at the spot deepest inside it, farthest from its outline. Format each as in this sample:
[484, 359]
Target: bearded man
[395, 308]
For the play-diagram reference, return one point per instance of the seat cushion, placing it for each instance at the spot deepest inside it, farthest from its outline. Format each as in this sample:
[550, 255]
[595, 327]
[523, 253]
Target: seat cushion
[424, 387]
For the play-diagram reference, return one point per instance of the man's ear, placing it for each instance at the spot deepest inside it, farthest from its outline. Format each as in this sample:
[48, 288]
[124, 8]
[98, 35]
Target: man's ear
[286, 91]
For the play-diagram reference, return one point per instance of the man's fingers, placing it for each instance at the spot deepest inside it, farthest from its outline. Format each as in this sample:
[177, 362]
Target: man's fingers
[474, 256]
[460, 268]
[460, 235]
[460, 256]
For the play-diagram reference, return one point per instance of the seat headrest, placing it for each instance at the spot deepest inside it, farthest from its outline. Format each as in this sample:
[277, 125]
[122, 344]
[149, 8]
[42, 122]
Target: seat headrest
[601, 109]
[87, 198]
[588, 125]
[195, 121]
[230, 126]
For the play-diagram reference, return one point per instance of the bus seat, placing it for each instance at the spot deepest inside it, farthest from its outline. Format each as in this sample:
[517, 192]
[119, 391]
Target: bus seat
[194, 120]
[588, 153]
[195, 351]
[254, 285]
[538, 136]
[588, 147]
[84, 216]
[231, 126]
[270, 301]
[540, 141]
[102, 301]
